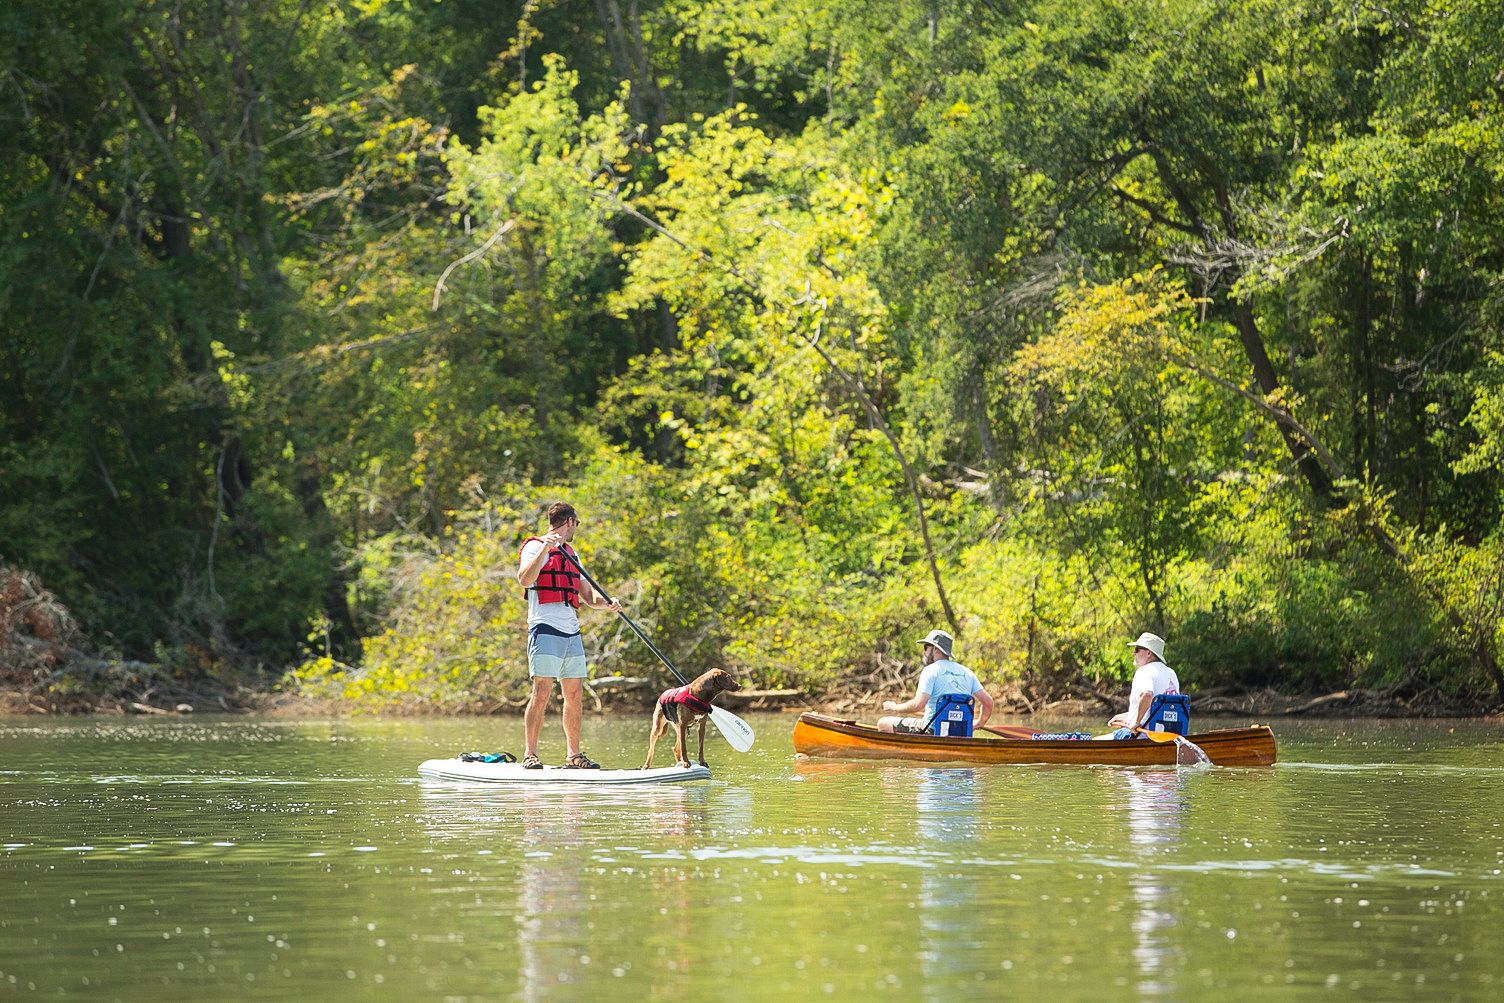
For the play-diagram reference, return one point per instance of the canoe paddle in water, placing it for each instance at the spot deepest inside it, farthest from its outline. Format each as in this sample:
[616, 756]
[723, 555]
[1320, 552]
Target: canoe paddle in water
[736, 731]
[1187, 752]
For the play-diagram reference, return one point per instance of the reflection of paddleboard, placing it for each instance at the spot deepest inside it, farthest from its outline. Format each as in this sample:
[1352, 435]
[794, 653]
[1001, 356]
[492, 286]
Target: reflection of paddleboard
[509, 773]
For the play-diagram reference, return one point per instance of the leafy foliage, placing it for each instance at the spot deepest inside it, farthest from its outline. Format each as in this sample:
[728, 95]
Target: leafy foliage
[836, 322]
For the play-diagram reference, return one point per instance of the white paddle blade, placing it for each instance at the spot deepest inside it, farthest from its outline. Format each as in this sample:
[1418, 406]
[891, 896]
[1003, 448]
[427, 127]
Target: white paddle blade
[736, 731]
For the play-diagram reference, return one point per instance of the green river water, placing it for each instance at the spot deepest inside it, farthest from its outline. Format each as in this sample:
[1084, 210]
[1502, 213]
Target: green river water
[243, 858]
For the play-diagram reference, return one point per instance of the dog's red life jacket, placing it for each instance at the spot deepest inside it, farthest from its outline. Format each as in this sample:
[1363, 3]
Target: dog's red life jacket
[558, 580]
[682, 695]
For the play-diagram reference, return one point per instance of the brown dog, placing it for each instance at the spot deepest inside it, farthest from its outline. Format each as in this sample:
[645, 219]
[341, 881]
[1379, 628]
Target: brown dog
[684, 706]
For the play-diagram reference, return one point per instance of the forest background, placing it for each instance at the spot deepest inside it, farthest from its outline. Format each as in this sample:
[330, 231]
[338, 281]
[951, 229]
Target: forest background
[1043, 321]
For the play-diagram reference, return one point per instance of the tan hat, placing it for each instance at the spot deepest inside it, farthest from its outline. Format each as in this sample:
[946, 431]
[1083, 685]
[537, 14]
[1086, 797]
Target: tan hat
[939, 639]
[1151, 642]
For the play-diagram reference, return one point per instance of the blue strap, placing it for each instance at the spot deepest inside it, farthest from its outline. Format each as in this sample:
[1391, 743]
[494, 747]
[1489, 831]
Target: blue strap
[944, 703]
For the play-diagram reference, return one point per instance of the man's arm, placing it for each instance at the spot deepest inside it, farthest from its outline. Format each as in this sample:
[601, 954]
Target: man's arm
[528, 567]
[984, 707]
[595, 600]
[1134, 715]
[914, 706]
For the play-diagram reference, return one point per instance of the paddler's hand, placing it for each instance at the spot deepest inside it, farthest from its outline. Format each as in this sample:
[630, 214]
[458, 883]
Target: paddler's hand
[551, 539]
[614, 606]
[889, 705]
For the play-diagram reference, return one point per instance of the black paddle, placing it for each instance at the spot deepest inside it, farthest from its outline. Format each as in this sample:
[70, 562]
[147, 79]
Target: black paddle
[737, 732]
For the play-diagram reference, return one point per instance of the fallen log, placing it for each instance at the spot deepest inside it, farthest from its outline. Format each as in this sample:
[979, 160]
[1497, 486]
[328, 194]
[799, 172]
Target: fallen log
[1221, 705]
[623, 683]
[1321, 702]
[784, 694]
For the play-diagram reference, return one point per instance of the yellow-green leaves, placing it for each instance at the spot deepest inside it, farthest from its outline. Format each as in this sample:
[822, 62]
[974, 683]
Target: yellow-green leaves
[1117, 333]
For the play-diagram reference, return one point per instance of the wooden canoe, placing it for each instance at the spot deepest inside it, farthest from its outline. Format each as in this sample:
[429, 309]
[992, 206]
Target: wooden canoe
[818, 735]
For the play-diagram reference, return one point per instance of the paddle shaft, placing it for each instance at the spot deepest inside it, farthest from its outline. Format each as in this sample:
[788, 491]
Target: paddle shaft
[1015, 731]
[733, 729]
[623, 614]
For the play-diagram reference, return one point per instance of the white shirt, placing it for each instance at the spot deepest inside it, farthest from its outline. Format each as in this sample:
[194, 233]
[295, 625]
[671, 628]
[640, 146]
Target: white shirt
[1153, 678]
[944, 676]
[558, 615]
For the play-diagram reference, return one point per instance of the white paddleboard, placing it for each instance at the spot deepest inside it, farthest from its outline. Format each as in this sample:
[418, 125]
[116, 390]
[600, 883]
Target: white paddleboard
[513, 773]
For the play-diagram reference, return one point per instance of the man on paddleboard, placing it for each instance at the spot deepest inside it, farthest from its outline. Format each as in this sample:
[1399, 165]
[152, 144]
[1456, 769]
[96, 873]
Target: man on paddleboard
[939, 677]
[554, 649]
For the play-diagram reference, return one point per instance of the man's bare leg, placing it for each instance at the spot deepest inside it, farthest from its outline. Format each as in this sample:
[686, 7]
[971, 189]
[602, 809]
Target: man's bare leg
[537, 706]
[573, 693]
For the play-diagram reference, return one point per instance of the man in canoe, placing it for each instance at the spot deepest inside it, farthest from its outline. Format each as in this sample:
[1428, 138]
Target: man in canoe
[554, 649]
[939, 676]
[1151, 679]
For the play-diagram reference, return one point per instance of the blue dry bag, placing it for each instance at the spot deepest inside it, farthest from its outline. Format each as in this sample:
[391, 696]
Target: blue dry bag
[1169, 712]
[487, 757]
[952, 715]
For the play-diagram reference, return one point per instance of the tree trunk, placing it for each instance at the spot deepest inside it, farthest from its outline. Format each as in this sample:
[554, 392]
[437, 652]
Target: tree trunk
[1269, 383]
[1490, 662]
[1366, 442]
[858, 389]
[630, 60]
[1242, 317]
[334, 599]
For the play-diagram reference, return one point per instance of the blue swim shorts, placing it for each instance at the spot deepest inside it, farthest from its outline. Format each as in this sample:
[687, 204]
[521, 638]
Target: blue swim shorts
[555, 654]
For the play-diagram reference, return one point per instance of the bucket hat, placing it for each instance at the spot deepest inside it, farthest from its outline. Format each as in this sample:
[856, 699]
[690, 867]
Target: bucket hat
[939, 639]
[1151, 642]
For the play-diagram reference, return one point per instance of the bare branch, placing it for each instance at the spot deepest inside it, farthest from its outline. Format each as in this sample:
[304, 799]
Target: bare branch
[1154, 212]
[480, 251]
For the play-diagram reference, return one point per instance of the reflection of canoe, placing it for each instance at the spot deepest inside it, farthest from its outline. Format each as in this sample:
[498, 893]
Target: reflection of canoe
[513, 773]
[818, 735]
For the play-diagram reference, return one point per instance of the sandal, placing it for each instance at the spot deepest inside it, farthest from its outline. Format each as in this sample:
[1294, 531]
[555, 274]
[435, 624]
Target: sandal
[580, 761]
[531, 762]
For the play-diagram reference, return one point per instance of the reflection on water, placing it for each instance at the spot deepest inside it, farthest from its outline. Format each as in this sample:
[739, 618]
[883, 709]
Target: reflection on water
[547, 895]
[1153, 803]
[946, 805]
[551, 922]
[240, 859]
[554, 835]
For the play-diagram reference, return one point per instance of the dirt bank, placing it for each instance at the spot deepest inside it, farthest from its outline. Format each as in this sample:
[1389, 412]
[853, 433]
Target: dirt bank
[635, 696]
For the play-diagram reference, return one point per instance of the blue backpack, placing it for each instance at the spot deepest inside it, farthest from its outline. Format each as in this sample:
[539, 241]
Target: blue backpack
[953, 715]
[1169, 712]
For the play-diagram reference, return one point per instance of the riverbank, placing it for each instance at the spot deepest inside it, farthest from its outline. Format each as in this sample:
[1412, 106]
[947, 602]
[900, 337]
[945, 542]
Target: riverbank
[617, 695]
[49, 666]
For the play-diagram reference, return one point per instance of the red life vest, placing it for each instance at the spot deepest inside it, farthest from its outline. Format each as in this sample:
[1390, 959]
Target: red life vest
[682, 695]
[558, 580]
